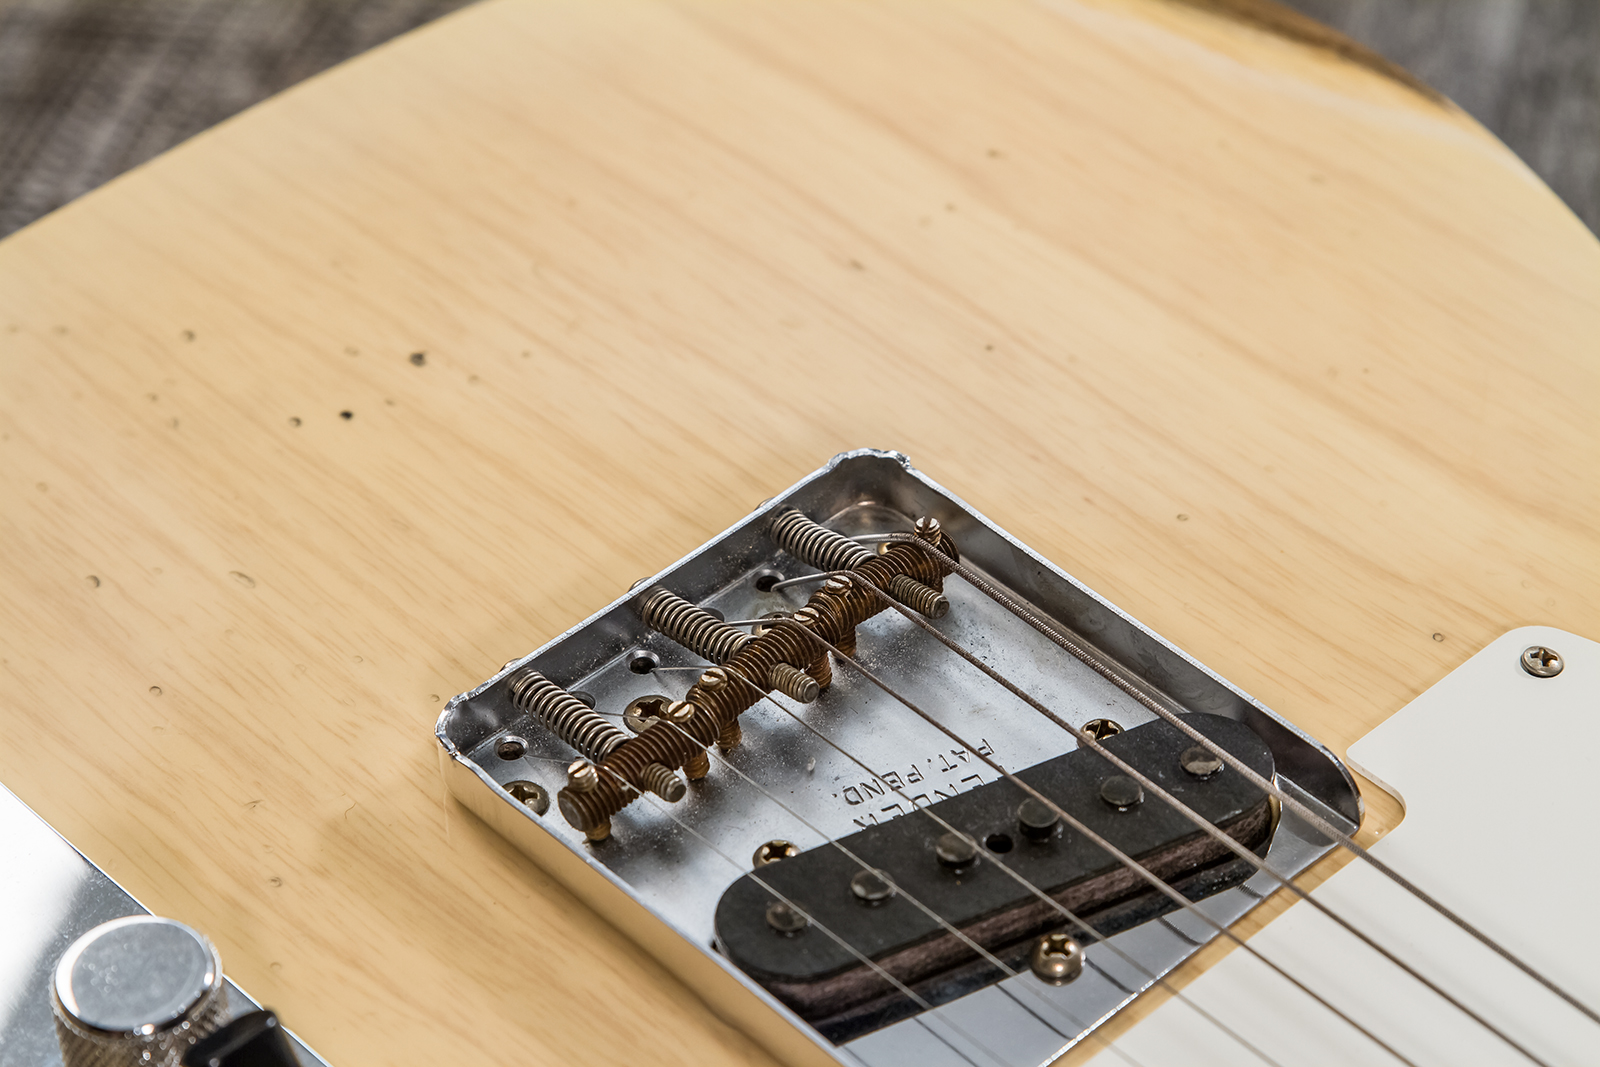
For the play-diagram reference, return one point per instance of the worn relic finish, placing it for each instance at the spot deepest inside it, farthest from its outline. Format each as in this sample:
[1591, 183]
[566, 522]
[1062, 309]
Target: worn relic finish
[1291, 362]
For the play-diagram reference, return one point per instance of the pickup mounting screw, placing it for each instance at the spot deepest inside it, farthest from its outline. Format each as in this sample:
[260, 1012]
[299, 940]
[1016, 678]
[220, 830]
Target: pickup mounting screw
[1542, 662]
[1121, 792]
[773, 851]
[955, 851]
[871, 888]
[1100, 729]
[786, 920]
[1037, 819]
[1200, 762]
[1056, 958]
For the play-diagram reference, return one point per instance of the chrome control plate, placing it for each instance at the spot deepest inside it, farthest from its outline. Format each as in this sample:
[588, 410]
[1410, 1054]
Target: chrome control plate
[50, 895]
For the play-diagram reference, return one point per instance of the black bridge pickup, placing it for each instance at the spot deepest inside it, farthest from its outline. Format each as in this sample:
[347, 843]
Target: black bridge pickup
[831, 987]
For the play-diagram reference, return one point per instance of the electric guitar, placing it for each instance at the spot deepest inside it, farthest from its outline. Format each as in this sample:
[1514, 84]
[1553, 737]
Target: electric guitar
[315, 422]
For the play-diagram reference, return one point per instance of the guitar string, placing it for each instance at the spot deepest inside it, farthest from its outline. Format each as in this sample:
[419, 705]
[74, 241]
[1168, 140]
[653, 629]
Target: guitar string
[1162, 794]
[1092, 743]
[1090, 658]
[1122, 857]
[1035, 890]
[920, 906]
[1195, 817]
[1015, 875]
[811, 920]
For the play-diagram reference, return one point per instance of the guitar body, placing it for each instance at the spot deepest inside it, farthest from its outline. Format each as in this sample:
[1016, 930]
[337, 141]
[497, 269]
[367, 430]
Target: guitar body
[320, 418]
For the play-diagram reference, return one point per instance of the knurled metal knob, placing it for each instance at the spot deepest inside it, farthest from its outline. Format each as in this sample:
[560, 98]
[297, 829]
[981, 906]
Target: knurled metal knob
[136, 991]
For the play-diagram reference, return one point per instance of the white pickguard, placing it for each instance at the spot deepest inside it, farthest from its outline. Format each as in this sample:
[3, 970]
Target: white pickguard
[1498, 771]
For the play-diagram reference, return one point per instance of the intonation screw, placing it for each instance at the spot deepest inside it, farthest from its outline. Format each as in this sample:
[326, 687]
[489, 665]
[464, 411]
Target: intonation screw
[679, 712]
[1200, 762]
[786, 920]
[871, 888]
[713, 679]
[1541, 662]
[1037, 819]
[1121, 792]
[838, 585]
[955, 851]
[1056, 958]
[928, 528]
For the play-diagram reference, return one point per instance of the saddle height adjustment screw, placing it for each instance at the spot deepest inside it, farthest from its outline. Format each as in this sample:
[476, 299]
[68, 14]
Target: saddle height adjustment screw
[584, 777]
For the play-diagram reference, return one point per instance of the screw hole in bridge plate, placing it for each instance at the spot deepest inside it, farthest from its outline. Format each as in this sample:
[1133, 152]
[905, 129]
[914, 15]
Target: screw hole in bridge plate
[998, 842]
[642, 662]
[511, 747]
[586, 699]
[766, 579]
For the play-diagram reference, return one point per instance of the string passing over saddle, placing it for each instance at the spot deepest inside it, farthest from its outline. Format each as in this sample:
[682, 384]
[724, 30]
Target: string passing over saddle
[911, 790]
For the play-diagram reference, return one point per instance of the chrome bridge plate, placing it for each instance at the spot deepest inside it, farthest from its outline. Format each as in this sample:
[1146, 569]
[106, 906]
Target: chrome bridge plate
[676, 862]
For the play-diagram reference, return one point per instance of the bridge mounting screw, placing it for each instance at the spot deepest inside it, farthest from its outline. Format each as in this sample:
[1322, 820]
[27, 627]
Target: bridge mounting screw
[955, 851]
[1121, 792]
[786, 920]
[1200, 761]
[530, 795]
[1056, 958]
[1541, 662]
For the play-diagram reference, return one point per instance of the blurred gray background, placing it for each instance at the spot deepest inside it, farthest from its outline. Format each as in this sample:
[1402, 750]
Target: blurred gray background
[90, 88]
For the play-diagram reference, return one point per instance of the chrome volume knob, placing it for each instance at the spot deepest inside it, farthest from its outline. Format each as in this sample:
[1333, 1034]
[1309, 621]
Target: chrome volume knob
[136, 991]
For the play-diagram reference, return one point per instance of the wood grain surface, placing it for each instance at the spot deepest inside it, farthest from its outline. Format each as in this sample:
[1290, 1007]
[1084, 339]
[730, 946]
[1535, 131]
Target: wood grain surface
[321, 417]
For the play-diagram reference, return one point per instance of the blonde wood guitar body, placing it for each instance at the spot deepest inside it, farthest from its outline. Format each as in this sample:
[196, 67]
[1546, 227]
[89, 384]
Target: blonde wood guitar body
[321, 417]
